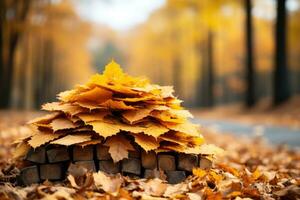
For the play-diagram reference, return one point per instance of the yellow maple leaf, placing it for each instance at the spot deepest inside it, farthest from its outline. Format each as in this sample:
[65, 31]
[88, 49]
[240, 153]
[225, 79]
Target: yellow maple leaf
[41, 138]
[147, 142]
[97, 94]
[72, 139]
[116, 105]
[62, 123]
[104, 129]
[133, 116]
[21, 149]
[118, 147]
[46, 119]
[89, 117]
[186, 127]
[199, 172]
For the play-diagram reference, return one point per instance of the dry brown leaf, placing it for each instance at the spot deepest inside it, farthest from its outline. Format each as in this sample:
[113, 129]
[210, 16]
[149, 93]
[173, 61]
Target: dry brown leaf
[91, 142]
[64, 107]
[155, 187]
[118, 147]
[173, 190]
[89, 117]
[41, 138]
[46, 119]
[88, 105]
[72, 139]
[62, 123]
[111, 185]
[21, 150]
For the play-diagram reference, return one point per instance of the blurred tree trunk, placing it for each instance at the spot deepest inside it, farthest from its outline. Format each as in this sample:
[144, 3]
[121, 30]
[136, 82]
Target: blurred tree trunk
[250, 72]
[38, 71]
[20, 10]
[48, 70]
[23, 75]
[2, 58]
[205, 93]
[177, 75]
[210, 69]
[281, 79]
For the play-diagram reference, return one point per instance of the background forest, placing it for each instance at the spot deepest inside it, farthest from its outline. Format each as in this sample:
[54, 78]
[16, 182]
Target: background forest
[214, 52]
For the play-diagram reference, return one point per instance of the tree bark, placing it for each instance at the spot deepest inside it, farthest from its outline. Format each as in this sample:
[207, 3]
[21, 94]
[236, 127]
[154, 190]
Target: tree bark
[281, 77]
[250, 72]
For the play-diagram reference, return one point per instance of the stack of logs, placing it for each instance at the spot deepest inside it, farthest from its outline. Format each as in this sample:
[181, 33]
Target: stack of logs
[51, 162]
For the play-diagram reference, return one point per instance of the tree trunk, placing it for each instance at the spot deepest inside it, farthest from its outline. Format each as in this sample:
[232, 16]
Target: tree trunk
[177, 76]
[210, 69]
[21, 8]
[2, 59]
[205, 93]
[281, 79]
[250, 73]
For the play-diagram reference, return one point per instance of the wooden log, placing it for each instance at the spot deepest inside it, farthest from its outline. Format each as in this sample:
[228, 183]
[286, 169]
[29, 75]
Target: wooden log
[28, 176]
[204, 163]
[52, 171]
[37, 155]
[166, 162]
[58, 154]
[134, 154]
[187, 161]
[109, 166]
[88, 164]
[81, 154]
[102, 152]
[131, 166]
[149, 160]
[174, 177]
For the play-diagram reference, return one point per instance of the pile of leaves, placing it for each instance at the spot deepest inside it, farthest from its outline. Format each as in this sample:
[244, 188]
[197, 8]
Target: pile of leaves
[114, 108]
[250, 169]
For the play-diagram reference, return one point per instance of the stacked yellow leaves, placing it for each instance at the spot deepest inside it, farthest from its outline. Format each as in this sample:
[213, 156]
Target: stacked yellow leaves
[117, 110]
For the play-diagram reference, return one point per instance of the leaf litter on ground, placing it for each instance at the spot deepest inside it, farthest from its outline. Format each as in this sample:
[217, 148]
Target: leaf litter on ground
[249, 169]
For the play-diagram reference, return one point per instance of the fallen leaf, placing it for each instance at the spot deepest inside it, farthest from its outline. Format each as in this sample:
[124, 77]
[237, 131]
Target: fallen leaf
[116, 105]
[155, 187]
[72, 139]
[21, 150]
[41, 138]
[62, 123]
[147, 142]
[118, 147]
[89, 117]
[110, 185]
[97, 94]
[135, 115]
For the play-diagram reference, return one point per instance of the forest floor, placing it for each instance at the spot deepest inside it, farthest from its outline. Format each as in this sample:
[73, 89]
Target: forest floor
[249, 169]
